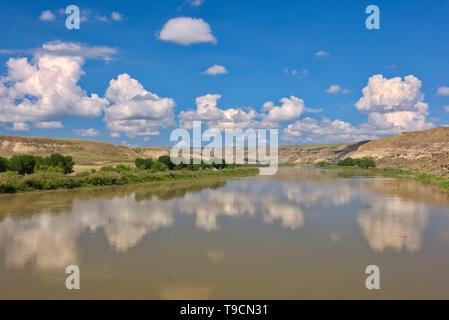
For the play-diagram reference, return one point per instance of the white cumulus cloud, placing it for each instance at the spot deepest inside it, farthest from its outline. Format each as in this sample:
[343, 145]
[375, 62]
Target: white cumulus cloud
[335, 88]
[207, 111]
[20, 126]
[443, 91]
[134, 110]
[116, 16]
[216, 69]
[395, 104]
[187, 31]
[47, 15]
[46, 88]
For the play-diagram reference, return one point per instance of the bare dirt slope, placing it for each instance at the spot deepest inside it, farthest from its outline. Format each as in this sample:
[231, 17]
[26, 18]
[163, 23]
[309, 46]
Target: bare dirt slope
[424, 151]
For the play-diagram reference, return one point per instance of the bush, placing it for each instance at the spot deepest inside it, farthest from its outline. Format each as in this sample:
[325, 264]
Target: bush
[167, 161]
[323, 164]
[145, 164]
[159, 167]
[22, 164]
[57, 160]
[362, 163]
[4, 164]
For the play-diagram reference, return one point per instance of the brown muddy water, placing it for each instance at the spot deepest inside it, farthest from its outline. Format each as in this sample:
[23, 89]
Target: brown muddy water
[301, 234]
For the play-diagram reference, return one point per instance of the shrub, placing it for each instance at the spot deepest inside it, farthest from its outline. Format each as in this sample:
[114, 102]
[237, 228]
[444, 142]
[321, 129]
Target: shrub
[22, 164]
[167, 161]
[4, 164]
[362, 163]
[145, 164]
[55, 163]
[323, 164]
[159, 167]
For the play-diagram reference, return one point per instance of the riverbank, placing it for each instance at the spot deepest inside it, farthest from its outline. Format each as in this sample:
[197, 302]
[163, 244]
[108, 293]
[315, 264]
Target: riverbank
[440, 182]
[56, 181]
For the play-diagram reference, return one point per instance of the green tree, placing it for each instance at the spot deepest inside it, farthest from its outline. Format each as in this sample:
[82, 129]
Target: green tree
[144, 163]
[22, 164]
[4, 163]
[159, 167]
[167, 161]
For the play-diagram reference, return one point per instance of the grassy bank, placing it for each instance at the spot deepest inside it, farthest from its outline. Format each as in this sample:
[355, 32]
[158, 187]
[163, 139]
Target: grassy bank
[54, 180]
[442, 183]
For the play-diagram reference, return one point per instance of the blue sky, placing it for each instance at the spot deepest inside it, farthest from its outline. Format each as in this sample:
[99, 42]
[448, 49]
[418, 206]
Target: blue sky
[311, 59]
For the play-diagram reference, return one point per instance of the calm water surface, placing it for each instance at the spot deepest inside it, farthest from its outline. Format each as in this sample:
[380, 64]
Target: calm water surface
[304, 233]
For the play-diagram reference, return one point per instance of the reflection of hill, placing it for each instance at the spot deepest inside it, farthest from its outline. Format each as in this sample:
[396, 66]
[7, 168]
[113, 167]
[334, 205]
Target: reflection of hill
[410, 190]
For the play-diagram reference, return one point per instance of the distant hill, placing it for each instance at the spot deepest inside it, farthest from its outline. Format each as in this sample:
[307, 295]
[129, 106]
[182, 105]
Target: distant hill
[424, 151]
[83, 151]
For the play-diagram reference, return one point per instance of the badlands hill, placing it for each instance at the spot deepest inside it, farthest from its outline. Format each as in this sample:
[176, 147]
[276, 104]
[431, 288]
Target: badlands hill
[86, 152]
[424, 151]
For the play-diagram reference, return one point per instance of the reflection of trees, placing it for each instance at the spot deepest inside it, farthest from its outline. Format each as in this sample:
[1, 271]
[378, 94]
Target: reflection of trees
[172, 190]
[26, 205]
[394, 223]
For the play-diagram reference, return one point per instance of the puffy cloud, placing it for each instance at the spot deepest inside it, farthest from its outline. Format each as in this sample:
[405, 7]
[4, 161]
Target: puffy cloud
[388, 95]
[49, 125]
[311, 130]
[116, 16]
[290, 109]
[321, 54]
[394, 104]
[47, 15]
[335, 88]
[186, 31]
[134, 110]
[242, 118]
[20, 126]
[443, 91]
[91, 132]
[207, 110]
[47, 87]
[216, 69]
[446, 108]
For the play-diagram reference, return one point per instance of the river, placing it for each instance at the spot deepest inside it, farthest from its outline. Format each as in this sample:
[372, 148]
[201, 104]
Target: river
[301, 234]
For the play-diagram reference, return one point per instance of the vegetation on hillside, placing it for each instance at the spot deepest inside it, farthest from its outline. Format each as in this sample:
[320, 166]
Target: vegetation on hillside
[349, 162]
[27, 173]
[26, 164]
